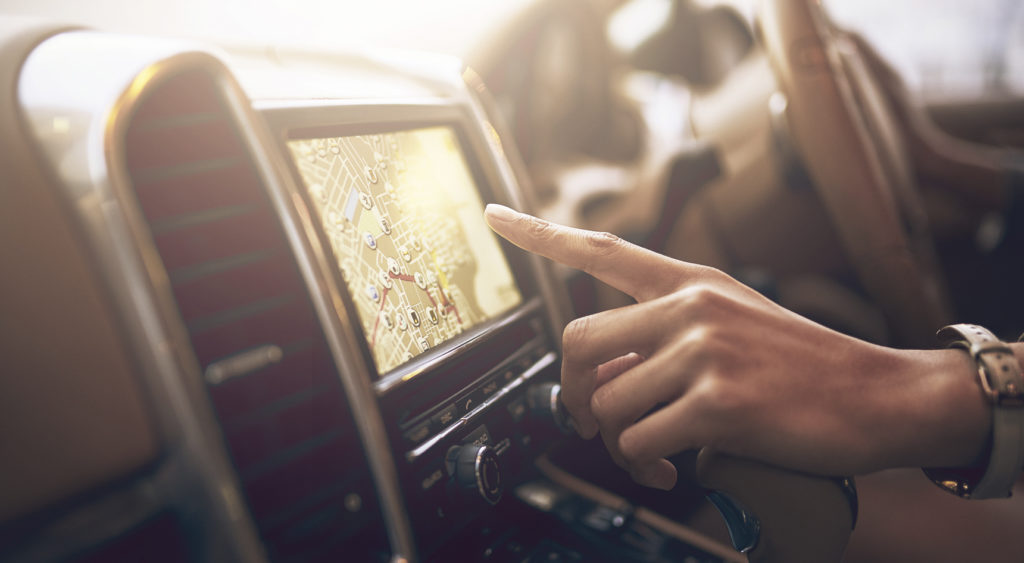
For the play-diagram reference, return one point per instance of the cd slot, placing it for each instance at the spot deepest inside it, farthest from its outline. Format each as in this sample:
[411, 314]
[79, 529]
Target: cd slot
[472, 416]
[444, 408]
[407, 405]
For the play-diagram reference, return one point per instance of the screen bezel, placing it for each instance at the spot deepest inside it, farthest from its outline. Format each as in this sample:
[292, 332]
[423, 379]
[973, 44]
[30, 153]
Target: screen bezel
[313, 122]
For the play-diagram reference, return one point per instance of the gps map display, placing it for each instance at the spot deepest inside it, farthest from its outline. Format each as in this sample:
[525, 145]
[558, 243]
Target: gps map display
[405, 221]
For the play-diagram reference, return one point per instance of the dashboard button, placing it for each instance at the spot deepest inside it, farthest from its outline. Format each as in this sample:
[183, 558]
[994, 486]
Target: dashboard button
[418, 433]
[429, 479]
[489, 388]
[446, 416]
[517, 409]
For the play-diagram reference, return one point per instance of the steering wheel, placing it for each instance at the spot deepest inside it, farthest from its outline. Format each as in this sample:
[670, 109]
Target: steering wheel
[841, 125]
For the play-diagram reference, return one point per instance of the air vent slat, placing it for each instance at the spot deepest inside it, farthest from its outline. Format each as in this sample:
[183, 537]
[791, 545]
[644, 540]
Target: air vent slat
[331, 494]
[239, 314]
[198, 272]
[283, 324]
[152, 149]
[274, 434]
[201, 217]
[216, 240]
[300, 477]
[183, 170]
[300, 369]
[213, 189]
[233, 287]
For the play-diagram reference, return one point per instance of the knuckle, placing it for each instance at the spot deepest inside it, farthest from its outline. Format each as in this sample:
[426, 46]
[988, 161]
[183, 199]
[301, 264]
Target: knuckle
[714, 394]
[539, 228]
[601, 403]
[576, 406]
[711, 339]
[712, 275]
[700, 352]
[703, 297]
[596, 246]
[574, 335]
[630, 446]
[602, 243]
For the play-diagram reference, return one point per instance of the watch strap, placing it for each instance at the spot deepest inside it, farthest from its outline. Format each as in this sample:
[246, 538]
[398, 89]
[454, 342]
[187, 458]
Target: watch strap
[1002, 384]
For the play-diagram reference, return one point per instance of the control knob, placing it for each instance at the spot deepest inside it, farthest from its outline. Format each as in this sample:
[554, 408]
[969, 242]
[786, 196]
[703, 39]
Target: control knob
[545, 399]
[476, 472]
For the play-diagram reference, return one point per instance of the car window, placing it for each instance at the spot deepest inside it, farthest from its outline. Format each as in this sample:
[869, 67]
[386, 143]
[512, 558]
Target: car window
[945, 49]
[436, 25]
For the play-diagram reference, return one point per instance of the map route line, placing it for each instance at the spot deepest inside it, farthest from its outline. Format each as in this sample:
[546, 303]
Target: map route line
[407, 278]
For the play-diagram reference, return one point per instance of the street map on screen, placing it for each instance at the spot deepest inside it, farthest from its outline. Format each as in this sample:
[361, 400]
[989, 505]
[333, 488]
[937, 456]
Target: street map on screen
[405, 222]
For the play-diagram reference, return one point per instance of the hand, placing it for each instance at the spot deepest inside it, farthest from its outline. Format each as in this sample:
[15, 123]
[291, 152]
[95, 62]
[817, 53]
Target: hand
[721, 366]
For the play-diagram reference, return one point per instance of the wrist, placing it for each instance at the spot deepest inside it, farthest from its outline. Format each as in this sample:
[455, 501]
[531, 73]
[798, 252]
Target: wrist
[949, 421]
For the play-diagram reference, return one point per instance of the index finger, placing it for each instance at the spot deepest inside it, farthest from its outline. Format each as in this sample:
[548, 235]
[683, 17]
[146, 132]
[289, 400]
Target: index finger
[639, 272]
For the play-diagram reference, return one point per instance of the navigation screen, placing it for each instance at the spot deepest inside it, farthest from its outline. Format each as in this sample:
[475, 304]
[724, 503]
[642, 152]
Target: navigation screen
[405, 221]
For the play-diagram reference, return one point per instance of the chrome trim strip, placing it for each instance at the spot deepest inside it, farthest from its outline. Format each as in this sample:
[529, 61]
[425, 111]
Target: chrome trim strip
[471, 417]
[243, 363]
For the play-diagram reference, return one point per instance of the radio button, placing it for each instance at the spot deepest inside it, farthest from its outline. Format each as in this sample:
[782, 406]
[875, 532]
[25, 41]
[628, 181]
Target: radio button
[446, 416]
[517, 409]
[490, 387]
[418, 433]
[431, 478]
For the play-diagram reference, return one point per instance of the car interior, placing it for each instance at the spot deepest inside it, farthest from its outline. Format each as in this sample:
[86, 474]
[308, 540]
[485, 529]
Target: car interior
[250, 309]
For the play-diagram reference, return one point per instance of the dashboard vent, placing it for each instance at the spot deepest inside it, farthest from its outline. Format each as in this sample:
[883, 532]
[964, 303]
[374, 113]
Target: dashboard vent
[239, 293]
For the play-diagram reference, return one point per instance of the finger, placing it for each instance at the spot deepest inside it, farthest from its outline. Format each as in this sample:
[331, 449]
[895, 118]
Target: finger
[620, 402]
[639, 272]
[660, 474]
[616, 367]
[665, 432]
[591, 341]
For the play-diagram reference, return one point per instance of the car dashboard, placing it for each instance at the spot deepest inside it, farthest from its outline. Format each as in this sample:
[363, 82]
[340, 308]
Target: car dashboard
[255, 314]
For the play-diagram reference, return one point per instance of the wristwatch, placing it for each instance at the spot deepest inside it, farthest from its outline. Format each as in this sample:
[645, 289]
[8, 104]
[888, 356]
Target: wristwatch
[999, 374]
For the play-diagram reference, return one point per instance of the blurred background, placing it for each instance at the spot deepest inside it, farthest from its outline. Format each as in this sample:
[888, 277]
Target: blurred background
[944, 48]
